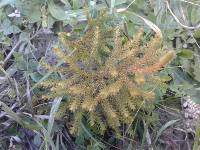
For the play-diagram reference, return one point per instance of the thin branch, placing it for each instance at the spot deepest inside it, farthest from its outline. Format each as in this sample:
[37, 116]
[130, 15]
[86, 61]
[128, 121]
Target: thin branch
[130, 4]
[17, 91]
[17, 45]
[12, 51]
[178, 21]
[124, 9]
[28, 94]
[190, 2]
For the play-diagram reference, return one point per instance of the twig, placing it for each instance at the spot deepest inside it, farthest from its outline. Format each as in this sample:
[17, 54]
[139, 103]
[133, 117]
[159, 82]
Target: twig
[17, 90]
[190, 2]
[126, 8]
[4, 113]
[28, 94]
[12, 51]
[17, 45]
[10, 80]
[43, 117]
[178, 21]
[190, 32]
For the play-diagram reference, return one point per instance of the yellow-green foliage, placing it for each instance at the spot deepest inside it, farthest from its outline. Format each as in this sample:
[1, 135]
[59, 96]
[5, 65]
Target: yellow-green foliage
[107, 76]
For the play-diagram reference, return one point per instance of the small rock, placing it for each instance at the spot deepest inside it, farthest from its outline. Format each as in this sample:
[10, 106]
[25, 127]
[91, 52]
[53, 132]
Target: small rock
[186, 115]
[185, 104]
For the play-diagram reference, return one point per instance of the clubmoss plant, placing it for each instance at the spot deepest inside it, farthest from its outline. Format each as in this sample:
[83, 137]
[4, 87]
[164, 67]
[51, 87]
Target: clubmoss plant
[108, 76]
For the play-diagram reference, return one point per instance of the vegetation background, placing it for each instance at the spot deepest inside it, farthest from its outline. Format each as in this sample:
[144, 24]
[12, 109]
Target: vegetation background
[28, 32]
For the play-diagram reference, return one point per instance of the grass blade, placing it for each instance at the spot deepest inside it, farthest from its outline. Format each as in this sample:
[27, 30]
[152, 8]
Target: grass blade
[165, 126]
[196, 140]
[54, 109]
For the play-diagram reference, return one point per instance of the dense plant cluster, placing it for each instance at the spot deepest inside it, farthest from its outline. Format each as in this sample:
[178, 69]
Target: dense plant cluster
[107, 79]
[97, 69]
